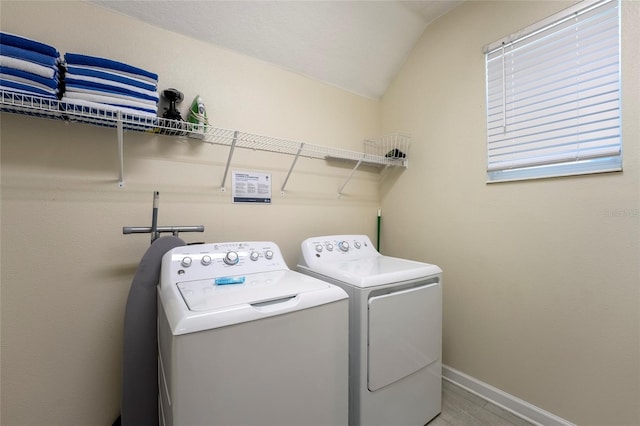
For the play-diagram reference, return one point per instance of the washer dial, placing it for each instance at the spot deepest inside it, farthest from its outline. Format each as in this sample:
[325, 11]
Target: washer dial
[231, 258]
[343, 246]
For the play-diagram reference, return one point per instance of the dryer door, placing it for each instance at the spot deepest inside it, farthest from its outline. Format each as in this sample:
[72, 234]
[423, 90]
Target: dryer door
[405, 333]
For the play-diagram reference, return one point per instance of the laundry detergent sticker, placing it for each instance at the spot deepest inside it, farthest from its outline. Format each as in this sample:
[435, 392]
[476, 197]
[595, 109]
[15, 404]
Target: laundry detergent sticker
[229, 280]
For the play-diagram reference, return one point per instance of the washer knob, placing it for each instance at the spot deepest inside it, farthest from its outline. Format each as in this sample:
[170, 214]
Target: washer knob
[206, 260]
[254, 256]
[268, 254]
[231, 258]
[343, 245]
[186, 262]
[319, 248]
[330, 247]
[357, 244]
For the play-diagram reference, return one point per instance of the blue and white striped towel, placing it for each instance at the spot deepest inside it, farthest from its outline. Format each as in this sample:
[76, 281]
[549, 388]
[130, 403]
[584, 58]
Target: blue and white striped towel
[79, 71]
[104, 64]
[15, 79]
[28, 66]
[100, 98]
[14, 74]
[20, 64]
[25, 88]
[29, 55]
[92, 84]
[9, 39]
[111, 94]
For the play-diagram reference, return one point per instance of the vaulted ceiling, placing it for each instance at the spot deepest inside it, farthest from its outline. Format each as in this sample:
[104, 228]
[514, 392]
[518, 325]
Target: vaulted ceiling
[356, 45]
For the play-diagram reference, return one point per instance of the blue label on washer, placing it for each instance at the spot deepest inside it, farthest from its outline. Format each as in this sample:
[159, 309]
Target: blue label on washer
[229, 280]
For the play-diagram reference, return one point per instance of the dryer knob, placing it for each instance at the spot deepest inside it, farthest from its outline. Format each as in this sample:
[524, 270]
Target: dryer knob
[186, 262]
[231, 258]
[343, 245]
[268, 254]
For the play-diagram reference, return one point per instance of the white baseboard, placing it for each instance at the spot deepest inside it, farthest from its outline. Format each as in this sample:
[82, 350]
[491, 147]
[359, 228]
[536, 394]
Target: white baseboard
[515, 405]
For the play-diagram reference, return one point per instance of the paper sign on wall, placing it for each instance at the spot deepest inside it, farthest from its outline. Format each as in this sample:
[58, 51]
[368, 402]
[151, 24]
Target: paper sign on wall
[251, 187]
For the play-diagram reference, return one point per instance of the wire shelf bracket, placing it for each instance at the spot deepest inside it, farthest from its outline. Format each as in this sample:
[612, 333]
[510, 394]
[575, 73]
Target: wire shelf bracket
[349, 177]
[226, 168]
[120, 132]
[293, 164]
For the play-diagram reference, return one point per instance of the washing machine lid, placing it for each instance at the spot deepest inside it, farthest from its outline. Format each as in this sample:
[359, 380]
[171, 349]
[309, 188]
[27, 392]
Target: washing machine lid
[209, 294]
[374, 271]
[202, 304]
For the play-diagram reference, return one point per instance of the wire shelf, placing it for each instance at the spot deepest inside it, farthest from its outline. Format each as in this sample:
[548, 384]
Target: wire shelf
[19, 103]
[376, 151]
[389, 150]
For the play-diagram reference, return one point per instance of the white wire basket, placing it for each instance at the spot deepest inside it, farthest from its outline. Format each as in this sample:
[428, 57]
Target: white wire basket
[394, 146]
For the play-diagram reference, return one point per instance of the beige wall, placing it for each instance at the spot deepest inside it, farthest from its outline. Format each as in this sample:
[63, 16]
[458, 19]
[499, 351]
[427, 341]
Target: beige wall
[541, 277]
[66, 267]
[542, 283]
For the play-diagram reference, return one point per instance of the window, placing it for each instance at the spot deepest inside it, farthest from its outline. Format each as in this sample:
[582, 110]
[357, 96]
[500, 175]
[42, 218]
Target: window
[553, 96]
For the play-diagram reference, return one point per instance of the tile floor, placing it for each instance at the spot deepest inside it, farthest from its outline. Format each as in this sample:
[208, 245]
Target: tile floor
[462, 408]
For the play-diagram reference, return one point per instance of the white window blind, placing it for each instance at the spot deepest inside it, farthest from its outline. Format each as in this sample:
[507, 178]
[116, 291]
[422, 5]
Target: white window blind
[553, 96]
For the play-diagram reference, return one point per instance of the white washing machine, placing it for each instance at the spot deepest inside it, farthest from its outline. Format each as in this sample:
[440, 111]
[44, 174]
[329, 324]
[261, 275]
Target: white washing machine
[245, 341]
[395, 328]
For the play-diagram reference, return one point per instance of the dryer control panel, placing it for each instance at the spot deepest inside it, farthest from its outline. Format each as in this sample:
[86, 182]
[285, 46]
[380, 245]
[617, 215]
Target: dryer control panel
[337, 247]
[224, 260]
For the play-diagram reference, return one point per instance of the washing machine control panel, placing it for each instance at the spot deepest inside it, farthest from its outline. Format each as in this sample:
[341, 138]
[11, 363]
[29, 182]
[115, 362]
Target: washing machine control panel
[204, 261]
[337, 247]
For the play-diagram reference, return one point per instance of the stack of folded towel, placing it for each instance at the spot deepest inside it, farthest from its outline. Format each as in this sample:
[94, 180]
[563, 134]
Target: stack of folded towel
[28, 67]
[106, 84]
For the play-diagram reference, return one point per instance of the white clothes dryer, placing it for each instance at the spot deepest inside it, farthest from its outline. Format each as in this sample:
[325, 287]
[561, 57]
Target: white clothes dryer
[243, 340]
[395, 329]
